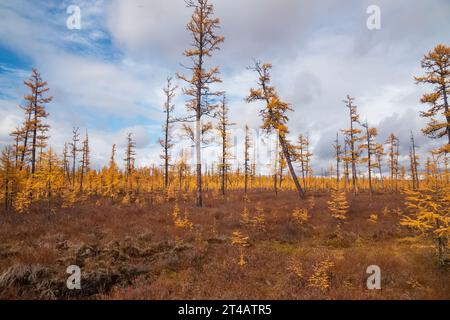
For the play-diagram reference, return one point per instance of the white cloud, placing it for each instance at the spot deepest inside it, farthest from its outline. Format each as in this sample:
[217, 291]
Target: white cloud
[321, 51]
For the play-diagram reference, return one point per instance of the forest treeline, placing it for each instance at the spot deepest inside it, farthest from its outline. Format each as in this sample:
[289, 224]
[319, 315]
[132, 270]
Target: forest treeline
[34, 177]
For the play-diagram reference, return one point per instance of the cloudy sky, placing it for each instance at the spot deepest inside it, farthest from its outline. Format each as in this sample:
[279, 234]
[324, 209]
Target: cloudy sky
[107, 77]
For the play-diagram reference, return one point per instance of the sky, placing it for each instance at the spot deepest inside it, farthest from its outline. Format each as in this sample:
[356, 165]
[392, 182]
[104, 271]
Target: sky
[107, 77]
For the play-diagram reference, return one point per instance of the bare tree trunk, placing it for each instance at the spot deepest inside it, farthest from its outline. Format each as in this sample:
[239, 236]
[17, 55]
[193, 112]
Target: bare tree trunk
[353, 157]
[7, 192]
[346, 168]
[33, 145]
[440, 245]
[369, 158]
[166, 149]
[281, 174]
[199, 200]
[381, 174]
[446, 108]
[25, 142]
[338, 160]
[275, 169]
[246, 160]
[291, 168]
[223, 161]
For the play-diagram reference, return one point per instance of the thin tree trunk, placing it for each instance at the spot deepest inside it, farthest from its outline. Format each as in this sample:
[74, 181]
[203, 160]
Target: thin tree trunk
[369, 159]
[447, 113]
[291, 168]
[224, 141]
[199, 200]
[33, 146]
[166, 145]
[281, 175]
[352, 150]
[275, 188]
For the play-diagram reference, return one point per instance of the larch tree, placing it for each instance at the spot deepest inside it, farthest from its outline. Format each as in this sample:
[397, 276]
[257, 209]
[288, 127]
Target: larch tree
[74, 149]
[25, 135]
[253, 164]
[352, 135]
[273, 114]
[411, 168]
[309, 154]
[247, 146]
[393, 153]
[379, 155]
[205, 133]
[369, 145]
[85, 160]
[429, 214]
[414, 163]
[129, 156]
[166, 143]
[346, 159]
[41, 144]
[281, 166]
[18, 136]
[436, 65]
[65, 163]
[223, 128]
[338, 154]
[275, 167]
[202, 27]
[35, 113]
[182, 168]
[446, 177]
[338, 205]
[50, 178]
[301, 157]
[36, 103]
[7, 170]
[304, 156]
[112, 176]
[430, 171]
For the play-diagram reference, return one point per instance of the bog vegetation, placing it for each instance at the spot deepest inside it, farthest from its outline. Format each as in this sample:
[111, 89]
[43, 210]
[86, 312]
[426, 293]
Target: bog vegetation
[35, 180]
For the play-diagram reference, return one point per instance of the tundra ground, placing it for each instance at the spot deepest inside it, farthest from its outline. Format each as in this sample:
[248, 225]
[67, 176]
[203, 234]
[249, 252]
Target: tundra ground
[138, 252]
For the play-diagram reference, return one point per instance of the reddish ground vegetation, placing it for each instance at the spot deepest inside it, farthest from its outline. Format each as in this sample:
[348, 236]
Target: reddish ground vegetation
[132, 252]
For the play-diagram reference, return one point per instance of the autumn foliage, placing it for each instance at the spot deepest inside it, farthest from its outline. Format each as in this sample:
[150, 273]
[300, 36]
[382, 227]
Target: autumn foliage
[344, 199]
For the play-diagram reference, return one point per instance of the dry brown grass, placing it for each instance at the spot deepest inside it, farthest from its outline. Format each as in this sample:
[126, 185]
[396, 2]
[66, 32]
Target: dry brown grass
[126, 252]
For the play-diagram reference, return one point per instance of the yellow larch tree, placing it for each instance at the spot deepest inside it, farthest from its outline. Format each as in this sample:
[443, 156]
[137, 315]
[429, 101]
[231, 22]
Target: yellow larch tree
[429, 213]
[338, 205]
[393, 145]
[34, 128]
[436, 65]
[242, 241]
[8, 177]
[273, 114]
[369, 146]
[202, 27]
[352, 138]
[112, 177]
